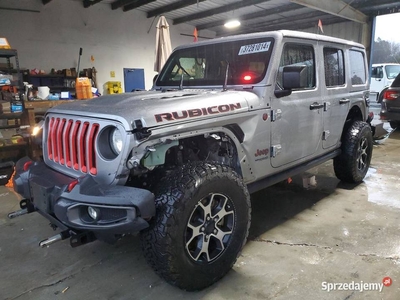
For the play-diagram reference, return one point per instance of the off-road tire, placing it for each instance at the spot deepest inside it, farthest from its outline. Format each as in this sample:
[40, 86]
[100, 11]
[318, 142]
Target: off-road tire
[180, 199]
[352, 164]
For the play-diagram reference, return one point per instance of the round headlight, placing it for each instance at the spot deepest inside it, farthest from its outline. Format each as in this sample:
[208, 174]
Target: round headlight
[116, 141]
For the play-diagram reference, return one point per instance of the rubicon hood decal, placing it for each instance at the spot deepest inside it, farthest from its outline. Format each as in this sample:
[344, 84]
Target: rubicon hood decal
[196, 112]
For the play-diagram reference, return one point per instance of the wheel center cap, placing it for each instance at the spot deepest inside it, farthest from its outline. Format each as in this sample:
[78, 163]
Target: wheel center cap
[209, 227]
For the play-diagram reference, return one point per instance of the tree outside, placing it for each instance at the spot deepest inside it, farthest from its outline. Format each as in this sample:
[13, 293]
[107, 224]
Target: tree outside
[385, 52]
[387, 40]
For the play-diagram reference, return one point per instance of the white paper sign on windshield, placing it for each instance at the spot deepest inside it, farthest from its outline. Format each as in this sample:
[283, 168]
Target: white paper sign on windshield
[254, 48]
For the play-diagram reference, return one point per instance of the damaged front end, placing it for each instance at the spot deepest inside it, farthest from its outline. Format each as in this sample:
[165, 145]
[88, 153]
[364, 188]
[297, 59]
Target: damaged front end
[81, 208]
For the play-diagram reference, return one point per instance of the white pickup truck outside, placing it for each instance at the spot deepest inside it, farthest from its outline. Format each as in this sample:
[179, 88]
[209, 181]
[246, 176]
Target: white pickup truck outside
[382, 76]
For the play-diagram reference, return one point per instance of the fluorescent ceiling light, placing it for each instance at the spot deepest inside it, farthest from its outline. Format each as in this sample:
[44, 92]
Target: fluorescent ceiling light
[232, 24]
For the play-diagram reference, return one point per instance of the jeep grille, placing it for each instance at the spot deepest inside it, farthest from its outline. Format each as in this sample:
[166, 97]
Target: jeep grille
[71, 143]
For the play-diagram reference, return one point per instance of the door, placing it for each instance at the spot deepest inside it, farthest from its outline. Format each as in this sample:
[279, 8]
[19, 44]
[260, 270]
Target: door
[336, 96]
[296, 126]
[133, 79]
[377, 79]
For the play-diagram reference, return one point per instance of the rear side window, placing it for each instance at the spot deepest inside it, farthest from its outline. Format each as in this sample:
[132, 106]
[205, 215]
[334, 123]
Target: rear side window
[298, 55]
[334, 67]
[357, 67]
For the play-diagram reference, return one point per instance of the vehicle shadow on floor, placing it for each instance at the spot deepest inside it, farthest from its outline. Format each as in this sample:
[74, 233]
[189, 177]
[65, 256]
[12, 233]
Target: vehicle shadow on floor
[276, 204]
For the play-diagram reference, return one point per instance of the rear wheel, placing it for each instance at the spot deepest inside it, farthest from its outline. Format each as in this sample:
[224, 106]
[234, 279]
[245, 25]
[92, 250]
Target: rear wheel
[201, 225]
[353, 163]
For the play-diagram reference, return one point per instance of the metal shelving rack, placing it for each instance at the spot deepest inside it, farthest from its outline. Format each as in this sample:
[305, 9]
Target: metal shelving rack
[8, 54]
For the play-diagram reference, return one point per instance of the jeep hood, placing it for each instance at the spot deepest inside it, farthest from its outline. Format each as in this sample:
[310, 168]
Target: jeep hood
[161, 108]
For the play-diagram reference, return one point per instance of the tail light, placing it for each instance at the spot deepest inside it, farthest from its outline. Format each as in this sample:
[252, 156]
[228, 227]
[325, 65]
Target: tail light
[391, 95]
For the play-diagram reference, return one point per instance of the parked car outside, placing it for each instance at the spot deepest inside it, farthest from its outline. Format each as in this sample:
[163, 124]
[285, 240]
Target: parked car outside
[382, 76]
[390, 106]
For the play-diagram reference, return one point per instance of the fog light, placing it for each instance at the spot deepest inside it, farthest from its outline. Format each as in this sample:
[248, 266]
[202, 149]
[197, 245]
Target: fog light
[93, 213]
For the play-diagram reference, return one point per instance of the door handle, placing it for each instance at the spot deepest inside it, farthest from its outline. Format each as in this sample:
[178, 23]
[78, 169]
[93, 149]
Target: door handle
[344, 101]
[316, 105]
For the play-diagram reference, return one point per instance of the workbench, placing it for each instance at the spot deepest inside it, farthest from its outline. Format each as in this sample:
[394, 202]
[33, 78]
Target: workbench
[33, 108]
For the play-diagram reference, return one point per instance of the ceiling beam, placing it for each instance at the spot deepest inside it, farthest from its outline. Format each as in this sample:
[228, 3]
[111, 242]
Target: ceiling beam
[88, 3]
[170, 7]
[377, 7]
[19, 9]
[120, 3]
[136, 4]
[46, 1]
[218, 10]
[335, 7]
[360, 4]
[255, 15]
[264, 26]
[294, 26]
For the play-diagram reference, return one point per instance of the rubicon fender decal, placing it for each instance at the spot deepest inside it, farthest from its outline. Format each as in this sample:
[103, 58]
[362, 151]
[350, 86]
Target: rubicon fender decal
[196, 112]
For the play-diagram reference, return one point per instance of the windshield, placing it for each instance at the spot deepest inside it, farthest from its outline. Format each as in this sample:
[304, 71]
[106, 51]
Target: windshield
[206, 65]
[392, 71]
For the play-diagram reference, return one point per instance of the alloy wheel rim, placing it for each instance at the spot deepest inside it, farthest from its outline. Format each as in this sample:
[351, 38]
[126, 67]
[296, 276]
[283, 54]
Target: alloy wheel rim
[209, 228]
[362, 154]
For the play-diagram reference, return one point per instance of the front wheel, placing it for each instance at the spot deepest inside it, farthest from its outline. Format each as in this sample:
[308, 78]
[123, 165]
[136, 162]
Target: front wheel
[202, 222]
[353, 163]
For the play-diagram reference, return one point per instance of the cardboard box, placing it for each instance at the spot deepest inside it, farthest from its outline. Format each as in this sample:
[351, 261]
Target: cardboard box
[11, 122]
[5, 107]
[67, 72]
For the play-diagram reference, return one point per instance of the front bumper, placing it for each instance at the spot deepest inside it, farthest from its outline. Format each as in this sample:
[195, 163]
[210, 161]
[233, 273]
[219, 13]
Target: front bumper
[65, 201]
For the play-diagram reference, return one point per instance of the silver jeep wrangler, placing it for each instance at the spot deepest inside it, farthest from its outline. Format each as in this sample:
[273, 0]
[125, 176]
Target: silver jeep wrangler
[225, 118]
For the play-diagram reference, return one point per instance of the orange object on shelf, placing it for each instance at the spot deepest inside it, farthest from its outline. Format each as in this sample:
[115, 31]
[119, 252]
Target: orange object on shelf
[83, 88]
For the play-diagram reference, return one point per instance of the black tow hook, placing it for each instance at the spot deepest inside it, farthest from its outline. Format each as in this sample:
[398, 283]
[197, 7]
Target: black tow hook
[26, 208]
[56, 238]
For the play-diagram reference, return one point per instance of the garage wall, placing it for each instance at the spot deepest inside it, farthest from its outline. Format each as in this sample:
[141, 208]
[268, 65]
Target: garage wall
[115, 39]
[351, 31]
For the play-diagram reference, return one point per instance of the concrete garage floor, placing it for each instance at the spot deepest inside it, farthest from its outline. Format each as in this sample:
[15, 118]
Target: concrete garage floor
[299, 238]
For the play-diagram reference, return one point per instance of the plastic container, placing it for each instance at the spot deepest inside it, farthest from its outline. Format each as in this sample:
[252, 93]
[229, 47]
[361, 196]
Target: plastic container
[114, 87]
[83, 88]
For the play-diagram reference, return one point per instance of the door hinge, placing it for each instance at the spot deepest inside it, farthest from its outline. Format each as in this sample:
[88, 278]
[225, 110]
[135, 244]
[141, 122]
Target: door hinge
[327, 105]
[325, 135]
[275, 150]
[276, 114]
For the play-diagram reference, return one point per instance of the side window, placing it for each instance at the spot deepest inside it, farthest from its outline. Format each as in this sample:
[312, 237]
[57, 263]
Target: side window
[377, 72]
[298, 55]
[373, 72]
[357, 67]
[334, 67]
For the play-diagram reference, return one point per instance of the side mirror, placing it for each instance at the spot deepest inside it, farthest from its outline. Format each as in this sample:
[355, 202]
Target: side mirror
[294, 77]
[282, 93]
